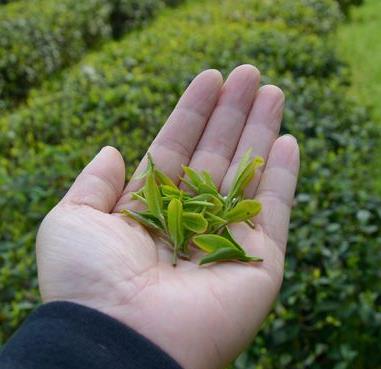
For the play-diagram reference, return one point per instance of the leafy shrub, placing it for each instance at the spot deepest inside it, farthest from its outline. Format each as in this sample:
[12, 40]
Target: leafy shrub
[346, 5]
[126, 14]
[314, 17]
[41, 37]
[328, 315]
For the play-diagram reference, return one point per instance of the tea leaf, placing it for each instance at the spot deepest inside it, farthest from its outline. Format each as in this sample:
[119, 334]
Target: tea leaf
[199, 182]
[171, 191]
[228, 234]
[215, 222]
[218, 204]
[241, 178]
[248, 258]
[212, 242]
[244, 210]
[144, 218]
[223, 254]
[201, 197]
[195, 222]
[209, 181]
[256, 163]
[244, 162]
[227, 254]
[245, 173]
[136, 196]
[198, 203]
[215, 219]
[205, 199]
[153, 196]
[175, 222]
[193, 175]
[149, 168]
[150, 163]
[164, 179]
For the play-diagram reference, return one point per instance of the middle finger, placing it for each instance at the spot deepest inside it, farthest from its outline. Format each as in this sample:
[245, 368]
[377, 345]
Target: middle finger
[220, 138]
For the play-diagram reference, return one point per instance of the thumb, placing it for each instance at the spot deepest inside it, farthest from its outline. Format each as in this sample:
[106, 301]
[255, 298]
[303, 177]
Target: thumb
[101, 183]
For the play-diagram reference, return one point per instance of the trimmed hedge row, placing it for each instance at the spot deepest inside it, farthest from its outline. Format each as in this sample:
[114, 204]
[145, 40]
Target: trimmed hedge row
[328, 315]
[40, 37]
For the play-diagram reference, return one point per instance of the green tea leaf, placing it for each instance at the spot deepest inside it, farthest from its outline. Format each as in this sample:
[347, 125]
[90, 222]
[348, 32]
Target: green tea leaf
[215, 222]
[241, 178]
[201, 197]
[251, 258]
[170, 191]
[195, 222]
[218, 204]
[257, 162]
[212, 242]
[214, 219]
[244, 210]
[175, 222]
[199, 182]
[228, 235]
[205, 199]
[149, 168]
[141, 175]
[198, 203]
[209, 181]
[153, 196]
[223, 254]
[228, 254]
[189, 184]
[164, 179]
[144, 218]
[194, 177]
[136, 196]
[245, 173]
[244, 162]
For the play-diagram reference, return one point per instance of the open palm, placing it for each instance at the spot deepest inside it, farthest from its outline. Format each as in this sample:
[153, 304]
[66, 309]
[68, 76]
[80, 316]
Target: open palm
[202, 316]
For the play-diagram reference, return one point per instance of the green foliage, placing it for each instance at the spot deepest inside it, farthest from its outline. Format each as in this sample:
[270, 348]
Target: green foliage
[41, 37]
[127, 14]
[178, 217]
[346, 5]
[358, 44]
[328, 314]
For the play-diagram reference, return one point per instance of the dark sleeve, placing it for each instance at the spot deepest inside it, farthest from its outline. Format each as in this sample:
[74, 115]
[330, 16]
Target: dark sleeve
[63, 335]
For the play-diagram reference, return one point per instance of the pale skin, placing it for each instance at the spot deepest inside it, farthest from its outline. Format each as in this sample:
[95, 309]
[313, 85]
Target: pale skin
[203, 317]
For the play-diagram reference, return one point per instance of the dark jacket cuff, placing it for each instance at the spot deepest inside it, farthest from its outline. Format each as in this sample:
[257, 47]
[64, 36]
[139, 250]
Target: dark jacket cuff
[64, 335]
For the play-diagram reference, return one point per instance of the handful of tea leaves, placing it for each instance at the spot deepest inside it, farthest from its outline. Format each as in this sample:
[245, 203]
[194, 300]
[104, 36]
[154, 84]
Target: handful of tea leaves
[201, 218]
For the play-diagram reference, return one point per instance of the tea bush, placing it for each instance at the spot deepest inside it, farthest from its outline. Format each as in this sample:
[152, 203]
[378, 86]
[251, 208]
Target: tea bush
[328, 314]
[346, 5]
[40, 37]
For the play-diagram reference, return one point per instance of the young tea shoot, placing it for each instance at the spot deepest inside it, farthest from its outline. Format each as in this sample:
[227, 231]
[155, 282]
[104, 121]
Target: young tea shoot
[199, 217]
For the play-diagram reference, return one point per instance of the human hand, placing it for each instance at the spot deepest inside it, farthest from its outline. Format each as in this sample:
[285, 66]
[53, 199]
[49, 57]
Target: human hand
[203, 317]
